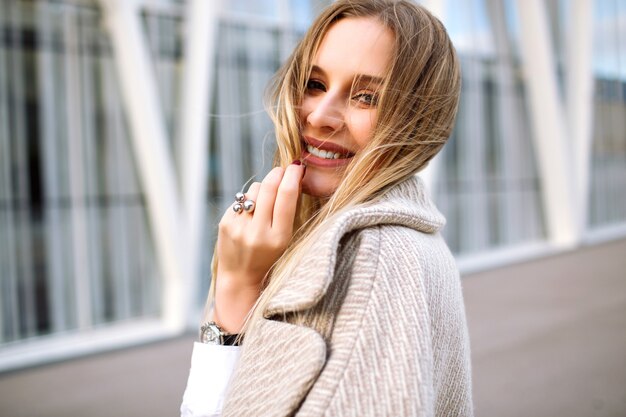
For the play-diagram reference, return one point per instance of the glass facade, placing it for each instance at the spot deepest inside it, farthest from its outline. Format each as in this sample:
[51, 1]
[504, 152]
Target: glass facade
[487, 183]
[608, 164]
[607, 200]
[75, 248]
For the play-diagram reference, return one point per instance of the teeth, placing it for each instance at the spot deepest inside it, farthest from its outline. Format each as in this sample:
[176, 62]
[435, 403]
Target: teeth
[321, 153]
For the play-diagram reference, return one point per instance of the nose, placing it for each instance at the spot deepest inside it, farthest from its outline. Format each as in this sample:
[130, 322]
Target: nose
[327, 113]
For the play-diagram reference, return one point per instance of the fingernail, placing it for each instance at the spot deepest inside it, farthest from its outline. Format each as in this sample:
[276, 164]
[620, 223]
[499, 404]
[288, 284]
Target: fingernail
[296, 162]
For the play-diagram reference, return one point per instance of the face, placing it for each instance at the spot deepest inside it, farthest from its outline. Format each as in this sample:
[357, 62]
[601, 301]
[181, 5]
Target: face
[339, 110]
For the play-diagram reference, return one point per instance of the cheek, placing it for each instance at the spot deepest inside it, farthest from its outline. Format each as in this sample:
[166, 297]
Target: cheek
[362, 125]
[305, 108]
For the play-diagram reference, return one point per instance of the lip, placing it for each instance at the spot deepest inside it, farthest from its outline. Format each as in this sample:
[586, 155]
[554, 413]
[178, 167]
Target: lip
[312, 160]
[327, 146]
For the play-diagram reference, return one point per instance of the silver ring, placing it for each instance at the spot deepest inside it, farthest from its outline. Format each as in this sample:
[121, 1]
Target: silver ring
[249, 205]
[238, 205]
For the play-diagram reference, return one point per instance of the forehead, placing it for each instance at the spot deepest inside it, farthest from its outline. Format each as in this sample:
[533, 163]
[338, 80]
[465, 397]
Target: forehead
[354, 46]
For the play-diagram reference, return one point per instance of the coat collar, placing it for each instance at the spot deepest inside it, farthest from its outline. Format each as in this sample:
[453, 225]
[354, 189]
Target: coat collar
[406, 204]
[280, 361]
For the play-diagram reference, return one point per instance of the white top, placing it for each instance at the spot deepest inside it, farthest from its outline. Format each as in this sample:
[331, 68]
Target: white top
[211, 369]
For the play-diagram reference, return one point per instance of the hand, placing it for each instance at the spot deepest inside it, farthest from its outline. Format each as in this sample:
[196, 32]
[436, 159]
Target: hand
[248, 244]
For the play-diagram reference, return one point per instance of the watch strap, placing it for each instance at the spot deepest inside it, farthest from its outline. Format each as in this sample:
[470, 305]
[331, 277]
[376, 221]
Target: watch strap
[230, 340]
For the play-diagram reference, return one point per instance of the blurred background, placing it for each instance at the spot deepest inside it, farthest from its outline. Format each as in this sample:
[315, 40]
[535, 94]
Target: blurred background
[126, 126]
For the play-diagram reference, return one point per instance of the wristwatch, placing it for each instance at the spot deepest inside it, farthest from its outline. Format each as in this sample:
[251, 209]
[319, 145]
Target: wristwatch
[212, 334]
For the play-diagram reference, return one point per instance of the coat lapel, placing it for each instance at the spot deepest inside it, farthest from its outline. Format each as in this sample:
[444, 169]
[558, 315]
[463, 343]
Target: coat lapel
[280, 361]
[277, 368]
[407, 204]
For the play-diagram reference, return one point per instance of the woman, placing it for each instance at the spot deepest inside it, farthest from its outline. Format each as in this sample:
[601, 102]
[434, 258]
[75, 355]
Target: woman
[332, 272]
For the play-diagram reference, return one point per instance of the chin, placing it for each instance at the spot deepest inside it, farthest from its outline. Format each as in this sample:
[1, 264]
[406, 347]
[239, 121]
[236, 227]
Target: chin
[316, 192]
[318, 187]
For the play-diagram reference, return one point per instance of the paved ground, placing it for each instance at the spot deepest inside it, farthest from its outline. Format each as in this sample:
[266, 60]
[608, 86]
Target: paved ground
[549, 336]
[548, 339]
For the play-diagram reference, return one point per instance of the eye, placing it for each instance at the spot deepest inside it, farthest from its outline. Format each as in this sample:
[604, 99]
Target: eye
[366, 99]
[315, 85]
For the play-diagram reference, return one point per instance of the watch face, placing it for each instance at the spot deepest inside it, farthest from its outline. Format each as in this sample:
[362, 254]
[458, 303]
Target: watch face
[210, 334]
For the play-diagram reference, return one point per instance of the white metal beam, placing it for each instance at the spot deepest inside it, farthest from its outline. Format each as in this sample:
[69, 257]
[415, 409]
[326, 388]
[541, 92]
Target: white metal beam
[429, 173]
[200, 47]
[510, 150]
[549, 129]
[76, 155]
[579, 91]
[436, 7]
[150, 145]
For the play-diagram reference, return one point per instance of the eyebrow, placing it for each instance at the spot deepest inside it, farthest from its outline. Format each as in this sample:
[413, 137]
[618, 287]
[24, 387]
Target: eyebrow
[360, 78]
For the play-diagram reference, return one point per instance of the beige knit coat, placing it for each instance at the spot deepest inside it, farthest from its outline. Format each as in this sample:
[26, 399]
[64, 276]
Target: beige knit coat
[372, 323]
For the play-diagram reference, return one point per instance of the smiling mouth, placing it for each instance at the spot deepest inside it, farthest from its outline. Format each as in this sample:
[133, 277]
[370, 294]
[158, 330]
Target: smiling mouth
[326, 150]
[320, 153]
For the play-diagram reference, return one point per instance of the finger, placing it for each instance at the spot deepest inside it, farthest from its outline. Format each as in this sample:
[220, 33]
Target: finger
[251, 195]
[287, 200]
[229, 213]
[253, 191]
[267, 197]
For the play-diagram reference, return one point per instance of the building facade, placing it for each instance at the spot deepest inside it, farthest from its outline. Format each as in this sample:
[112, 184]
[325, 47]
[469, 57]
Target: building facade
[127, 126]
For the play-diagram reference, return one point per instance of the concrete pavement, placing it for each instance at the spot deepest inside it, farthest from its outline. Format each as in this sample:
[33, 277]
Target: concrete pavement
[548, 340]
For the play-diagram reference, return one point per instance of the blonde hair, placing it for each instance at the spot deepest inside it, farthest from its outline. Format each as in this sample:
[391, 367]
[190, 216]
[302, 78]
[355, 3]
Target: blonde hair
[416, 111]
